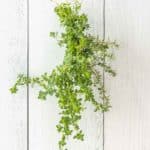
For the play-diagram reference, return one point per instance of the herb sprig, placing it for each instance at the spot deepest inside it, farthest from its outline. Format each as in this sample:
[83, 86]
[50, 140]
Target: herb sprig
[73, 81]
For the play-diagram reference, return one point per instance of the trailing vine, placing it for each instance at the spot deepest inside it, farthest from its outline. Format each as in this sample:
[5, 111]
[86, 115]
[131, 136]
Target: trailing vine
[75, 80]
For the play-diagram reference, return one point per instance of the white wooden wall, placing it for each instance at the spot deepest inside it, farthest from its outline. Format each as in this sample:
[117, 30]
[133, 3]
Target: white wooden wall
[12, 61]
[127, 125]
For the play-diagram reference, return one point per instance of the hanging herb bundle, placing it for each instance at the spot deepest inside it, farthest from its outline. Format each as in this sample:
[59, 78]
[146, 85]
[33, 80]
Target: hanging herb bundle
[72, 82]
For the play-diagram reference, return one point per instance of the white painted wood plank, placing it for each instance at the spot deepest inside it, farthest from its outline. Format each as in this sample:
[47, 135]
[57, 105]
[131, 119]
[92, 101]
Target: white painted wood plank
[12, 62]
[128, 123]
[44, 56]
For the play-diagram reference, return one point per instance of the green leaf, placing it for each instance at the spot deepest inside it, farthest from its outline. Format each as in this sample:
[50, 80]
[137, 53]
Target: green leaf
[53, 34]
[42, 95]
[13, 90]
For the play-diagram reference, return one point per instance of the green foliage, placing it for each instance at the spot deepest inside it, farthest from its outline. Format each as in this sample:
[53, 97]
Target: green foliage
[74, 81]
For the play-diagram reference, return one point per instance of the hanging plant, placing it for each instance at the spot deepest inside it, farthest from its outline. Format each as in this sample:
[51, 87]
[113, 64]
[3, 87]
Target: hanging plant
[75, 80]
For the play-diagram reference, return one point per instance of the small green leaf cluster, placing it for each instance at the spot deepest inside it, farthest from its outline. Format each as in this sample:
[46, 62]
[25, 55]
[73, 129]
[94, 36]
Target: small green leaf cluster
[73, 82]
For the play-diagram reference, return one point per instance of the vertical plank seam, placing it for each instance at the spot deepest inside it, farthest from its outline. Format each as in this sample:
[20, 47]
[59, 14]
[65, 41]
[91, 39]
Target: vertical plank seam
[28, 74]
[104, 28]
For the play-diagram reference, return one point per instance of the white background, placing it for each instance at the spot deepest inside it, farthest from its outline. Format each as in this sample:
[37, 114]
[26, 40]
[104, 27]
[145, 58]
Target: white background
[127, 125]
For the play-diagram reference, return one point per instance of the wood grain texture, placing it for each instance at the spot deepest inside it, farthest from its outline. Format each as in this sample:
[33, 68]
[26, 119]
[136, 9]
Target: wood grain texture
[12, 62]
[44, 56]
[128, 123]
